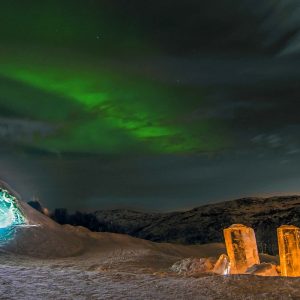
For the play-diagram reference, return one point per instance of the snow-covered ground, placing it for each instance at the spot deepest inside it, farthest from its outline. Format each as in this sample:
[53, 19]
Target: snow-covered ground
[86, 278]
[50, 261]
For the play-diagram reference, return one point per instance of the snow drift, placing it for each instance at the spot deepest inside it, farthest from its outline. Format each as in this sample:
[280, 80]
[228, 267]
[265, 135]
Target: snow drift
[41, 237]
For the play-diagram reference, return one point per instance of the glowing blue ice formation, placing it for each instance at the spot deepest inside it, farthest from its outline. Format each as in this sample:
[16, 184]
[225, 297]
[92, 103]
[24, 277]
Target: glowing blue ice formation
[10, 215]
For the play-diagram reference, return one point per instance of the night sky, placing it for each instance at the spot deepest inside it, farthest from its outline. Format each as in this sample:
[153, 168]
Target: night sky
[151, 105]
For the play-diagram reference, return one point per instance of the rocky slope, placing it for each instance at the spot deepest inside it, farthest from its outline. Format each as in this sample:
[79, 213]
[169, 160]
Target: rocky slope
[204, 224]
[200, 225]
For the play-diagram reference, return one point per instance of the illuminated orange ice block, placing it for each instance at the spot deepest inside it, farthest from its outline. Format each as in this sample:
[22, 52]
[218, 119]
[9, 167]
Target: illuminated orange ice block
[289, 250]
[241, 248]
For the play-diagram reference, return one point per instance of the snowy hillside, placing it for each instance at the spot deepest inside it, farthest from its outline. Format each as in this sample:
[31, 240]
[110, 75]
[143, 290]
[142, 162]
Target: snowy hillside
[115, 266]
[200, 225]
[52, 261]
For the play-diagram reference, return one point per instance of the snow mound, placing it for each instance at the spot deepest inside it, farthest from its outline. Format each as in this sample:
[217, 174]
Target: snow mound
[194, 267]
[263, 269]
[42, 237]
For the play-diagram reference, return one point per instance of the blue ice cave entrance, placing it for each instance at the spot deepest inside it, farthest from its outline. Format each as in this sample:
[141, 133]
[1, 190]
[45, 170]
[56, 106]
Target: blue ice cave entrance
[11, 215]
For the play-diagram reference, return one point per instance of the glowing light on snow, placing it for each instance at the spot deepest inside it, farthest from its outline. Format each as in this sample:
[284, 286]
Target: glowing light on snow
[10, 215]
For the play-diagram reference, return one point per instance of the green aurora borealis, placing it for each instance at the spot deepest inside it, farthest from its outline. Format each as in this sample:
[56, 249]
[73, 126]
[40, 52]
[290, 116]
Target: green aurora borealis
[67, 65]
[149, 104]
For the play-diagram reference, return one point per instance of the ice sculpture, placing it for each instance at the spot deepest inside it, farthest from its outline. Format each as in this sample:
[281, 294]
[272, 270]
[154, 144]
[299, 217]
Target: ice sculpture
[289, 250]
[222, 266]
[10, 215]
[241, 248]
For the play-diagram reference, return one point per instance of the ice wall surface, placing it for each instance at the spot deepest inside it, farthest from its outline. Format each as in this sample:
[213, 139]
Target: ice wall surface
[10, 215]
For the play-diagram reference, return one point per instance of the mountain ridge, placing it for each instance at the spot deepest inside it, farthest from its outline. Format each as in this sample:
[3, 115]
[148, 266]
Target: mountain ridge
[202, 224]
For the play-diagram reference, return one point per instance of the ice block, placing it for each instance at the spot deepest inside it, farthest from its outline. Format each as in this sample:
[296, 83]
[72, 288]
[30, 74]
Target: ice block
[289, 250]
[241, 248]
[222, 266]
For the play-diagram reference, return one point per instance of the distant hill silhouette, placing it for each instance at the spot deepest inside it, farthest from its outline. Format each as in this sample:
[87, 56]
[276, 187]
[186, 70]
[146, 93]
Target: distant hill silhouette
[200, 225]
